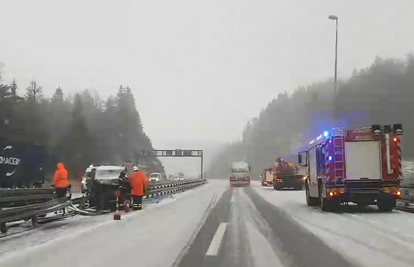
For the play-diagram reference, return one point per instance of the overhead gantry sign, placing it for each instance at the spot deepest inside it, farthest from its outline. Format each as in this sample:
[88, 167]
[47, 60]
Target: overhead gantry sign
[178, 153]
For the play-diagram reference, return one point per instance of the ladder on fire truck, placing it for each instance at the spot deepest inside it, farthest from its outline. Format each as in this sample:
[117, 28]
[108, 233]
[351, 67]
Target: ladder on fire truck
[338, 148]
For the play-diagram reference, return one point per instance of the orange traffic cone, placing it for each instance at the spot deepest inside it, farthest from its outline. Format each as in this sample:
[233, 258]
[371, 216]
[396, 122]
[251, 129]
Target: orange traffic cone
[117, 216]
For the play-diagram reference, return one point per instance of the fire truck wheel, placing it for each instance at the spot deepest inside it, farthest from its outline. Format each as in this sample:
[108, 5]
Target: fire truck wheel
[311, 201]
[328, 204]
[276, 187]
[386, 203]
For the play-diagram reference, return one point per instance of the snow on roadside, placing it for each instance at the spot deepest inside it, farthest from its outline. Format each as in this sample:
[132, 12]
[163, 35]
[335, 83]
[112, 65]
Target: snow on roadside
[166, 223]
[408, 172]
[368, 238]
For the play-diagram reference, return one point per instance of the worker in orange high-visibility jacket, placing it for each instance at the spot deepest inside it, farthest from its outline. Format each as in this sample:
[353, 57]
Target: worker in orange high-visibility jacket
[60, 180]
[138, 181]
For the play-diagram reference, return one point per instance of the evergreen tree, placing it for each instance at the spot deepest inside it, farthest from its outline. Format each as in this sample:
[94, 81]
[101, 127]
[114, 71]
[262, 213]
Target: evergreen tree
[77, 144]
[380, 94]
[77, 129]
[6, 109]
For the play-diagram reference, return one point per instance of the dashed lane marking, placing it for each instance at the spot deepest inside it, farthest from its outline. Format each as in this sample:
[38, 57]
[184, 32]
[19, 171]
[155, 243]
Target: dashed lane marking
[214, 247]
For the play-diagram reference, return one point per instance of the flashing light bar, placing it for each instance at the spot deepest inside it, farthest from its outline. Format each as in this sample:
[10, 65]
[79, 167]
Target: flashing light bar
[395, 128]
[325, 134]
[311, 142]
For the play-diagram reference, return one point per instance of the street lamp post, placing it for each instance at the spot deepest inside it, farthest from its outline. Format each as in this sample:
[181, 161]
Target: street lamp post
[335, 18]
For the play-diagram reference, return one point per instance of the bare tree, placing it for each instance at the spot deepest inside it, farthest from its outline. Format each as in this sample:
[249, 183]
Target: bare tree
[33, 92]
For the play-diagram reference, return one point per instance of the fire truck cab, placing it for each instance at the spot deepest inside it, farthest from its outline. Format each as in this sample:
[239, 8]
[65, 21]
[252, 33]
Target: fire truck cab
[361, 165]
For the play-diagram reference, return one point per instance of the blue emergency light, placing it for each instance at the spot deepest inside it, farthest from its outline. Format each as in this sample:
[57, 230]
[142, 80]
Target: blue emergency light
[326, 134]
[330, 158]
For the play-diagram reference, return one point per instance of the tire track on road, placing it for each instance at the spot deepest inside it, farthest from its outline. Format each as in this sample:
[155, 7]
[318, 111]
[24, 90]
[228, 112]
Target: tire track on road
[196, 253]
[236, 250]
[303, 247]
[274, 254]
[359, 235]
[190, 242]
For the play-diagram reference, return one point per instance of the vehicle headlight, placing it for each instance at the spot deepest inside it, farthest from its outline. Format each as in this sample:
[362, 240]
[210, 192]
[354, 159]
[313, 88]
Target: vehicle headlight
[304, 178]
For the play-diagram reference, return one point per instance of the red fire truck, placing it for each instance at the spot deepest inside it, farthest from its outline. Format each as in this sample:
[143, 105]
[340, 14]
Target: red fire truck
[361, 165]
[267, 177]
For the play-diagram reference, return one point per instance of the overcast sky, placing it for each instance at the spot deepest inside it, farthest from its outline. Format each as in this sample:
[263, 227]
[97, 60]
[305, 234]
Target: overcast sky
[199, 70]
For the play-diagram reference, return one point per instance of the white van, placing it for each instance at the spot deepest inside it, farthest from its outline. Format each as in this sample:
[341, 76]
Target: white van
[155, 177]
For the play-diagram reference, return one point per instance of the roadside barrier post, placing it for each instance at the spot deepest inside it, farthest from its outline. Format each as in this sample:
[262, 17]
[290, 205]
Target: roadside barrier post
[117, 215]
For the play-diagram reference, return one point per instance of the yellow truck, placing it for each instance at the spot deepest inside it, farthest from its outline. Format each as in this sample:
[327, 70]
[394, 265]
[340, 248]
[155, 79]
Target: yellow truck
[286, 175]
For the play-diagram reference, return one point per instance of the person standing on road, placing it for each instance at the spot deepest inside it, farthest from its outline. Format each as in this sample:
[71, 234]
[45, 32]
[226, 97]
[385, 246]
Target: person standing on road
[138, 181]
[60, 180]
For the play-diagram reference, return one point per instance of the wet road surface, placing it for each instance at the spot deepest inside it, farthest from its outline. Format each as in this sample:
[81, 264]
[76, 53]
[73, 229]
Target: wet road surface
[245, 230]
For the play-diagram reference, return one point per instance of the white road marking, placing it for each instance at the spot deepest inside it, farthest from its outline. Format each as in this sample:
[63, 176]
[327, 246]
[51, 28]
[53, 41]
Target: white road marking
[262, 251]
[216, 242]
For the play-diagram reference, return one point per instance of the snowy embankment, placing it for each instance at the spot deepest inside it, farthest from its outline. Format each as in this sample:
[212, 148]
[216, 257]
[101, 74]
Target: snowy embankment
[408, 172]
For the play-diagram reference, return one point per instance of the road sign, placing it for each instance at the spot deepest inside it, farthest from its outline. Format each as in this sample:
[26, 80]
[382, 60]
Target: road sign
[171, 153]
[179, 153]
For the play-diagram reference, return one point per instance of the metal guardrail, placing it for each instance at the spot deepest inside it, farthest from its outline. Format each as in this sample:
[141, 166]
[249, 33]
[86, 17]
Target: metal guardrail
[162, 189]
[24, 204]
[407, 193]
[27, 212]
[10, 197]
[31, 212]
[406, 200]
[157, 189]
[23, 197]
[168, 184]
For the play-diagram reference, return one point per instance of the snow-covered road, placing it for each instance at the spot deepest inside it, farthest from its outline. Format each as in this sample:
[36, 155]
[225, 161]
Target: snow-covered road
[243, 230]
[155, 236]
[215, 225]
[367, 237]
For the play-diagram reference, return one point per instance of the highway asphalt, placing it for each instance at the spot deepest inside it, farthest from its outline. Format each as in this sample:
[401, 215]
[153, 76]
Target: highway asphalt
[244, 230]
[214, 225]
